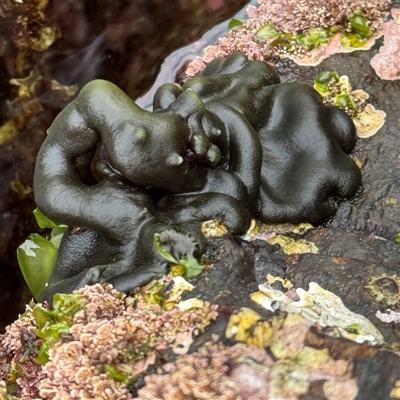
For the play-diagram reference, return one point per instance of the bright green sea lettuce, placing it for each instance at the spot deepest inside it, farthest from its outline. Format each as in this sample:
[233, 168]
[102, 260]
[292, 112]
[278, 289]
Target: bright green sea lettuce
[37, 255]
[52, 324]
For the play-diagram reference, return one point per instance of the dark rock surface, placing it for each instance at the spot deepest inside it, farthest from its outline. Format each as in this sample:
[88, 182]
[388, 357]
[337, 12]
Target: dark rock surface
[345, 266]
[376, 376]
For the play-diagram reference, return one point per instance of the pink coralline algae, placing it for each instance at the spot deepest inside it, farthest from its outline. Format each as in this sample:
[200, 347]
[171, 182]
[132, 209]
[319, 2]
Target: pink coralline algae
[111, 341]
[18, 351]
[387, 62]
[389, 317]
[294, 16]
[247, 372]
[214, 372]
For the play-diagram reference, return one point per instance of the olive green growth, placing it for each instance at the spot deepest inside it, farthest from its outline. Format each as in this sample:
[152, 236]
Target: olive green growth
[53, 324]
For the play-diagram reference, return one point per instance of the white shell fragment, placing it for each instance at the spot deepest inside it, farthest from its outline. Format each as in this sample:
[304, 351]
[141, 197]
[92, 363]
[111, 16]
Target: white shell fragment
[190, 304]
[323, 308]
[265, 301]
[180, 286]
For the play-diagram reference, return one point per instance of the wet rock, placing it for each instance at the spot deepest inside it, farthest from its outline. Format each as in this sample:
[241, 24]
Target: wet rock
[232, 272]
[345, 265]
[377, 375]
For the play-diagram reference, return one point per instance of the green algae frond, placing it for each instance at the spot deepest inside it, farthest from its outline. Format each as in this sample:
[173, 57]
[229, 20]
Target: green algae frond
[37, 255]
[115, 374]
[315, 37]
[324, 81]
[188, 266]
[53, 324]
[337, 90]
[267, 31]
[312, 38]
[360, 31]
[235, 22]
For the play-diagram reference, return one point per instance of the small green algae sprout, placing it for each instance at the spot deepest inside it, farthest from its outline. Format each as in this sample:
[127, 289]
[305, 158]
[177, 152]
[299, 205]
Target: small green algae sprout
[325, 81]
[310, 39]
[267, 32]
[359, 31]
[187, 266]
[337, 90]
[235, 22]
[117, 375]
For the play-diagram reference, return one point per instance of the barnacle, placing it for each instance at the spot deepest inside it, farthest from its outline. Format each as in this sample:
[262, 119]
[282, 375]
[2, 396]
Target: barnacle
[385, 289]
